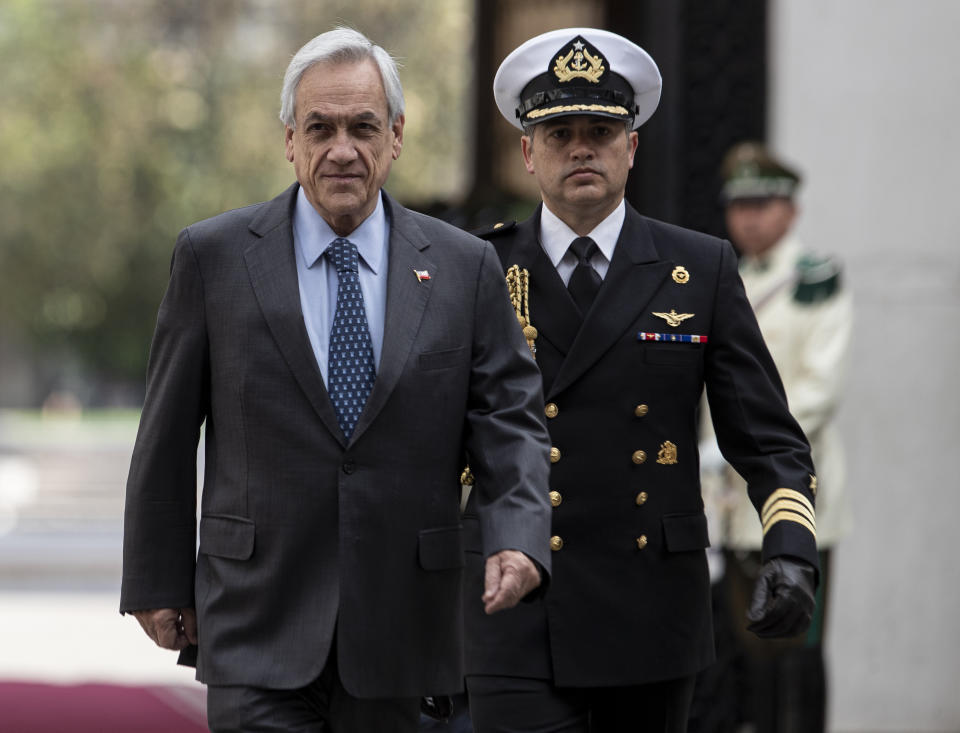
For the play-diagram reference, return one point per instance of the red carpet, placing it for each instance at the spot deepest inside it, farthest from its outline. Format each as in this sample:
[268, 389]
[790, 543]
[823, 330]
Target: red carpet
[27, 707]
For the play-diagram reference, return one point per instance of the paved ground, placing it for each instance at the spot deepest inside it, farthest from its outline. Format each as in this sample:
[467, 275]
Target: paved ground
[61, 508]
[70, 637]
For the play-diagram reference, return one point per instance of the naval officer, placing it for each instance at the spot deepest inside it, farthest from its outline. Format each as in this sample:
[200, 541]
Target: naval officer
[630, 319]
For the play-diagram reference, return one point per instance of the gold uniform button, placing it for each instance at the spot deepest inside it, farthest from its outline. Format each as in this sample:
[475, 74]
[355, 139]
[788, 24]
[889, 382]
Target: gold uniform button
[641, 541]
[551, 410]
[555, 498]
[642, 498]
[554, 455]
[641, 410]
[498, 225]
[556, 543]
[639, 456]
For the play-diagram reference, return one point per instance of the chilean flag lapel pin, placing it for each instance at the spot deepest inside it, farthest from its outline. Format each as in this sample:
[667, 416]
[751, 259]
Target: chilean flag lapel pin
[422, 275]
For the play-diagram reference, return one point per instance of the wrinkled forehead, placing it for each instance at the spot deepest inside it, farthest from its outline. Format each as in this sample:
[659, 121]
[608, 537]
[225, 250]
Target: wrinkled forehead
[348, 85]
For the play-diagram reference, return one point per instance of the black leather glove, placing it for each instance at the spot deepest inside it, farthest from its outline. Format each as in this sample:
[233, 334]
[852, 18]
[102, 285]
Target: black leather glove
[783, 598]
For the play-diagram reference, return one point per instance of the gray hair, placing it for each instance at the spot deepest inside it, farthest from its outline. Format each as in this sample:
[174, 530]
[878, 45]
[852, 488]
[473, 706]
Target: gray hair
[340, 44]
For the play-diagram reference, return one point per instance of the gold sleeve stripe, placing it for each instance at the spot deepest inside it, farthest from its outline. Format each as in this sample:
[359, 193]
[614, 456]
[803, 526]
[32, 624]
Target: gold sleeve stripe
[786, 494]
[792, 506]
[786, 516]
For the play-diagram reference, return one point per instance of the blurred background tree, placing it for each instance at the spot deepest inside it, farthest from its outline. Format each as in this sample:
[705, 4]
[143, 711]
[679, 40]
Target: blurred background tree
[123, 122]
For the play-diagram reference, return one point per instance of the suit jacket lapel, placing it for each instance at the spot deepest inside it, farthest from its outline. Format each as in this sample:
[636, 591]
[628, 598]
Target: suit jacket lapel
[636, 273]
[407, 298]
[273, 274]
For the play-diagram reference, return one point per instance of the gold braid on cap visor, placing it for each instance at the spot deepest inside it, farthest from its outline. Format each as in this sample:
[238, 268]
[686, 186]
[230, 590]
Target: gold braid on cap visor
[614, 110]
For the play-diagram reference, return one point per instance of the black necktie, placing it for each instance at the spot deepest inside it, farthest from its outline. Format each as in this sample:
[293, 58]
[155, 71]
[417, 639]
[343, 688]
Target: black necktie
[585, 281]
[351, 368]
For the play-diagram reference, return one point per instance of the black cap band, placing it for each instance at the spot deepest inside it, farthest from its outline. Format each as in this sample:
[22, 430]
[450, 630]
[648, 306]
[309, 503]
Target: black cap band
[542, 98]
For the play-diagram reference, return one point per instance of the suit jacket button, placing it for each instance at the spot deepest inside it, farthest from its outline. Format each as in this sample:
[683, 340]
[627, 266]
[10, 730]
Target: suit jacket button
[556, 543]
[554, 455]
[639, 456]
[641, 498]
[551, 410]
[641, 541]
[641, 410]
[349, 467]
[555, 498]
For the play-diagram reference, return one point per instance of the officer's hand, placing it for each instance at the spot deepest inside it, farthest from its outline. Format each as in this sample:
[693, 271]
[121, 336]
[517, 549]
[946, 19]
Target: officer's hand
[170, 628]
[510, 575]
[783, 598]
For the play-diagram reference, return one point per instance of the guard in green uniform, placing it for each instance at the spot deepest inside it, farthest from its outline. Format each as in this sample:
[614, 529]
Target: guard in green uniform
[806, 318]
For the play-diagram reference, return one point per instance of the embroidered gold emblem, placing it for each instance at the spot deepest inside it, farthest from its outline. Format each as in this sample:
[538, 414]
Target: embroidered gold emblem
[673, 318]
[680, 275]
[667, 456]
[813, 484]
[579, 63]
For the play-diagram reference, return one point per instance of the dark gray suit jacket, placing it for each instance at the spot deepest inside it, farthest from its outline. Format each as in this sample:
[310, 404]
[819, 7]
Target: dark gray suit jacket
[304, 536]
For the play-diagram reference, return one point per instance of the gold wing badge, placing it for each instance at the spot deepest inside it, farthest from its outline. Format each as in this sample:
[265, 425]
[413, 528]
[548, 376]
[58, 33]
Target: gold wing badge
[673, 318]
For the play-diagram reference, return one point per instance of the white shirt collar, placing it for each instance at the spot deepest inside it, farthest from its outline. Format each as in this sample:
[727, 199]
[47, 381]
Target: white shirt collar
[315, 235]
[555, 235]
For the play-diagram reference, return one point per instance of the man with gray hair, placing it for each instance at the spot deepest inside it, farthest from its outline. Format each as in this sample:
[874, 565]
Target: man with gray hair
[345, 354]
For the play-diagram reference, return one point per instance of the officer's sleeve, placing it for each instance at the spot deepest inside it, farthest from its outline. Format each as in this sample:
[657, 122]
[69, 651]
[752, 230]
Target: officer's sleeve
[755, 431]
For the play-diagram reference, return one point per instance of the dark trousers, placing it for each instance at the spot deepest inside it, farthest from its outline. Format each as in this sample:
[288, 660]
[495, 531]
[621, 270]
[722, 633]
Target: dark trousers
[521, 705]
[459, 721]
[323, 706]
[772, 685]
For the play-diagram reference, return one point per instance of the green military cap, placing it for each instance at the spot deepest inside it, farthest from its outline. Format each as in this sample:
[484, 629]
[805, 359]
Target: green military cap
[750, 171]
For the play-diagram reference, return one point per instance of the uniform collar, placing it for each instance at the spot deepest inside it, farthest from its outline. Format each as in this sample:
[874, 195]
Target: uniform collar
[555, 235]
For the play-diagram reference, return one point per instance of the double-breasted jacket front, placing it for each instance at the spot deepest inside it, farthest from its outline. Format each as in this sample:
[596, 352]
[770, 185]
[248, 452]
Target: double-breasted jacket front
[629, 600]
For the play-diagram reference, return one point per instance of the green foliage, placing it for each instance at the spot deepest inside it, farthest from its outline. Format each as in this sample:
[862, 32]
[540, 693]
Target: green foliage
[124, 122]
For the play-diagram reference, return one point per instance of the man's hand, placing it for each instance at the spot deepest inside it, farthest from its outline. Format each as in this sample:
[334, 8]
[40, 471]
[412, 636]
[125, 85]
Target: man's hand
[510, 575]
[170, 628]
[783, 598]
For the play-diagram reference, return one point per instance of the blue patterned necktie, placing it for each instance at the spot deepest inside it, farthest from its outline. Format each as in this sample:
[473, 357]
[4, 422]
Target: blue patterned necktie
[350, 365]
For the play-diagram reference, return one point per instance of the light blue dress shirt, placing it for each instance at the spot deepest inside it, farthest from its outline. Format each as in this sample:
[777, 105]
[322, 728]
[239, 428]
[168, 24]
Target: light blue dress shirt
[318, 279]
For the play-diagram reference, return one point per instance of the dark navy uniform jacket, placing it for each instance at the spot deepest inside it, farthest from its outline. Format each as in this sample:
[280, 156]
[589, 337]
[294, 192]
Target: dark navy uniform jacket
[629, 598]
